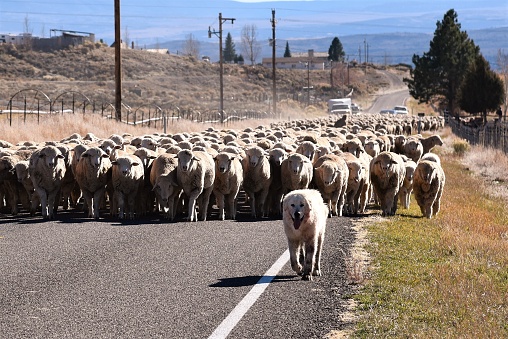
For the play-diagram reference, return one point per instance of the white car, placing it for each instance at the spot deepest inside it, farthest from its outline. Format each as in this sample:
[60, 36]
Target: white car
[400, 110]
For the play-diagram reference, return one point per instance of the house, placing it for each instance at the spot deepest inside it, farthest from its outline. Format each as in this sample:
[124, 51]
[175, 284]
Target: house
[15, 39]
[309, 60]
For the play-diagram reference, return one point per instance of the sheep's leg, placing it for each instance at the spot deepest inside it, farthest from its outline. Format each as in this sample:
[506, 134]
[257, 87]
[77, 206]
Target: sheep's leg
[204, 200]
[252, 198]
[97, 197]
[119, 202]
[192, 203]
[44, 201]
[131, 204]
[51, 203]
[262, 199]
[90, 204]
[220, 204]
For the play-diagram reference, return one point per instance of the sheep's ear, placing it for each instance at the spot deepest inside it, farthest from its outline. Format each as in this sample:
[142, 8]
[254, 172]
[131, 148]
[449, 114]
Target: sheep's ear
[104, 156]
[114, 162]
[118, 147]
[194, 158]
[135, 164]
[60, 156]
[84, 155]
[152, 157]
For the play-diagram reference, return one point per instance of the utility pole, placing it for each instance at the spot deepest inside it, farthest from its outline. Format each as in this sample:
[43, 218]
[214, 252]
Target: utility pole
[274, 88]
[118, 64]
[221, 83]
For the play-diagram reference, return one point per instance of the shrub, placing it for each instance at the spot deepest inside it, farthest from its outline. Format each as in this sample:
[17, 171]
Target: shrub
[460, 147]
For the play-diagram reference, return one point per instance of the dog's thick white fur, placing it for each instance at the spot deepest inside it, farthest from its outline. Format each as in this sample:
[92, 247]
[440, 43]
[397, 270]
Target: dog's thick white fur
[304, 217]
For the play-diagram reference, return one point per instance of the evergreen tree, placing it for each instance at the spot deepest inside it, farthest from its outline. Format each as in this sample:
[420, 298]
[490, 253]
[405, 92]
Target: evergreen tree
[287, 52]
[336, 51]
[482, 90]
[229, 51]
[439, 73]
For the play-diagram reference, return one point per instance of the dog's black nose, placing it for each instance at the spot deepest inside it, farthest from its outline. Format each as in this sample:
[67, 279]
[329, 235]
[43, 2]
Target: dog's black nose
[298, 215]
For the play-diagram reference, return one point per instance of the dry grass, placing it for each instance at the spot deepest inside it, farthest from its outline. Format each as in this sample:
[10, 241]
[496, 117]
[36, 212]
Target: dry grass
[445, 277]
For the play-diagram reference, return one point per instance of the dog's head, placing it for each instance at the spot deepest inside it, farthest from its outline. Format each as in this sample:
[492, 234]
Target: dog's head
[297, 208]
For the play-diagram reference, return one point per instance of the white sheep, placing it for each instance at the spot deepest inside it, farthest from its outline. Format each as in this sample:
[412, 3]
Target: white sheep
[357, 180]
[407, 186]
[307, 148]
[372, 147]
[296, 173]
[273, 204]
[428, 184]
[431, 141]
[165, 184]
[413, 149]
[431, 157]
[196, 174]
[228, 180]
[127, 178]
[47, 170]
[387, 173]
[256, 178]
[331, 176]
[92, 175]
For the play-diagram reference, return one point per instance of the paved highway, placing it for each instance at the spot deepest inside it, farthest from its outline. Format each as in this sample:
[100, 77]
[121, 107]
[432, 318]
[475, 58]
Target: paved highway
[76, 278]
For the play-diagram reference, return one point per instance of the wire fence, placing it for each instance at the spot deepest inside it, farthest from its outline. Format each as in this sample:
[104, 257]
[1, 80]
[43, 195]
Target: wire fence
[494, 134]
[32, 105]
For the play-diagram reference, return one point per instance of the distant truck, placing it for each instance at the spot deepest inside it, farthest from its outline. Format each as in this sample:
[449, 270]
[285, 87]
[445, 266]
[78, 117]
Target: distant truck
[339, 106]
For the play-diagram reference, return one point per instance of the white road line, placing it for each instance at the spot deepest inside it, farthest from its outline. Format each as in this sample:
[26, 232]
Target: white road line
[227, 325]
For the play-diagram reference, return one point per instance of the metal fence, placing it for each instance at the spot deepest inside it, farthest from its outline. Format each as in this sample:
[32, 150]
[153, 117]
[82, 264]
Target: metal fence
[494, 134]
[32, 104]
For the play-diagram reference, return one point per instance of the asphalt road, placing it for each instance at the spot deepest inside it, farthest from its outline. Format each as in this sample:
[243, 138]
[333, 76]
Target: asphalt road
[76, 278]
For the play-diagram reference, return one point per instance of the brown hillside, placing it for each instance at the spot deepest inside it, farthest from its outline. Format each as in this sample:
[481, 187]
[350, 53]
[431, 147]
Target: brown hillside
[165, 80]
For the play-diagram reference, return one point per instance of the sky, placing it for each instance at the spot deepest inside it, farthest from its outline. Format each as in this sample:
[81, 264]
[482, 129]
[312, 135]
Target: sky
[156, 21]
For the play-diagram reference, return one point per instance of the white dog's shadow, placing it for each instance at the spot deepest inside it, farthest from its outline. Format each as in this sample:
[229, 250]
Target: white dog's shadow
[252, 280]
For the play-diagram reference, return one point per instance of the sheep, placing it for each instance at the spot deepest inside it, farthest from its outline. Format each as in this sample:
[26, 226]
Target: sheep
[146, 195]
[429, 142]
[12, 189]
[355, 191]
[296, 173]
[331, 176]
[353, 146]
[372, 147]
[21, 169]
[228, 180]
[47, 169]
[413, 149]
[307, 148]
[127, 178]
[165, 184]
[256, 179]
[431, 157]
[196, 174]
[428, 184]
[274, 199]
[387, 173]
[92, 174]
[407, 186]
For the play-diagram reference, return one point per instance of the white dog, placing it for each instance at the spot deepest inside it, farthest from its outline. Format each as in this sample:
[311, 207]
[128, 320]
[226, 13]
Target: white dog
[304, 217]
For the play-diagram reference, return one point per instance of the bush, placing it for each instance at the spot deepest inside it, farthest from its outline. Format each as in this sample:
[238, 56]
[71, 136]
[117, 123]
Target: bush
[460, 147]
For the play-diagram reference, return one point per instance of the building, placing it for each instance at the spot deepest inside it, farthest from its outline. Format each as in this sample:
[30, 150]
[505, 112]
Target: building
[65, 39]
[309, 60]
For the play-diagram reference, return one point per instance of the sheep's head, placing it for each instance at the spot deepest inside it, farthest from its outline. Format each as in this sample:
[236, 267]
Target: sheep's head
[223, 162]
[51, 155]
[95, 156]
[185, 159]
[295, 163]
[255, 155]
[125, 164]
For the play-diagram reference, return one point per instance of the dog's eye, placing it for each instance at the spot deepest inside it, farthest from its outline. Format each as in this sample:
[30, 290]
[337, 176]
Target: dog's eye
[292, 205]
[301, 205]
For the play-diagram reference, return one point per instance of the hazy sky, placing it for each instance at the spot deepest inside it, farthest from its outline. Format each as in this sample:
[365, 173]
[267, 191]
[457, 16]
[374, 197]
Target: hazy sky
[151, 21]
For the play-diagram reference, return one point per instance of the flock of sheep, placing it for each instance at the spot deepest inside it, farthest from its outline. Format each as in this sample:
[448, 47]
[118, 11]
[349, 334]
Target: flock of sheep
[353, 162]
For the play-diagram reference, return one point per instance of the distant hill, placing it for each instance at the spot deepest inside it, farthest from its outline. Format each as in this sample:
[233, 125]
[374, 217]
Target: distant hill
[391, 48]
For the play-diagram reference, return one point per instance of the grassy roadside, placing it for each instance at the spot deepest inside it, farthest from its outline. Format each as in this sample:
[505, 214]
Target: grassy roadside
[446, 277]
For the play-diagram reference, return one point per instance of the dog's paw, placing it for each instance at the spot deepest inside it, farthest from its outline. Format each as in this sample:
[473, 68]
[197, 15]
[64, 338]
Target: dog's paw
[307, 277]
[316, 273]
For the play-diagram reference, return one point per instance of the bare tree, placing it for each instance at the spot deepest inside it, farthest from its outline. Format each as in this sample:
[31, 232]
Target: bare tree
[191, 46]
[27, 36]
[250, 46]
[126, 37]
